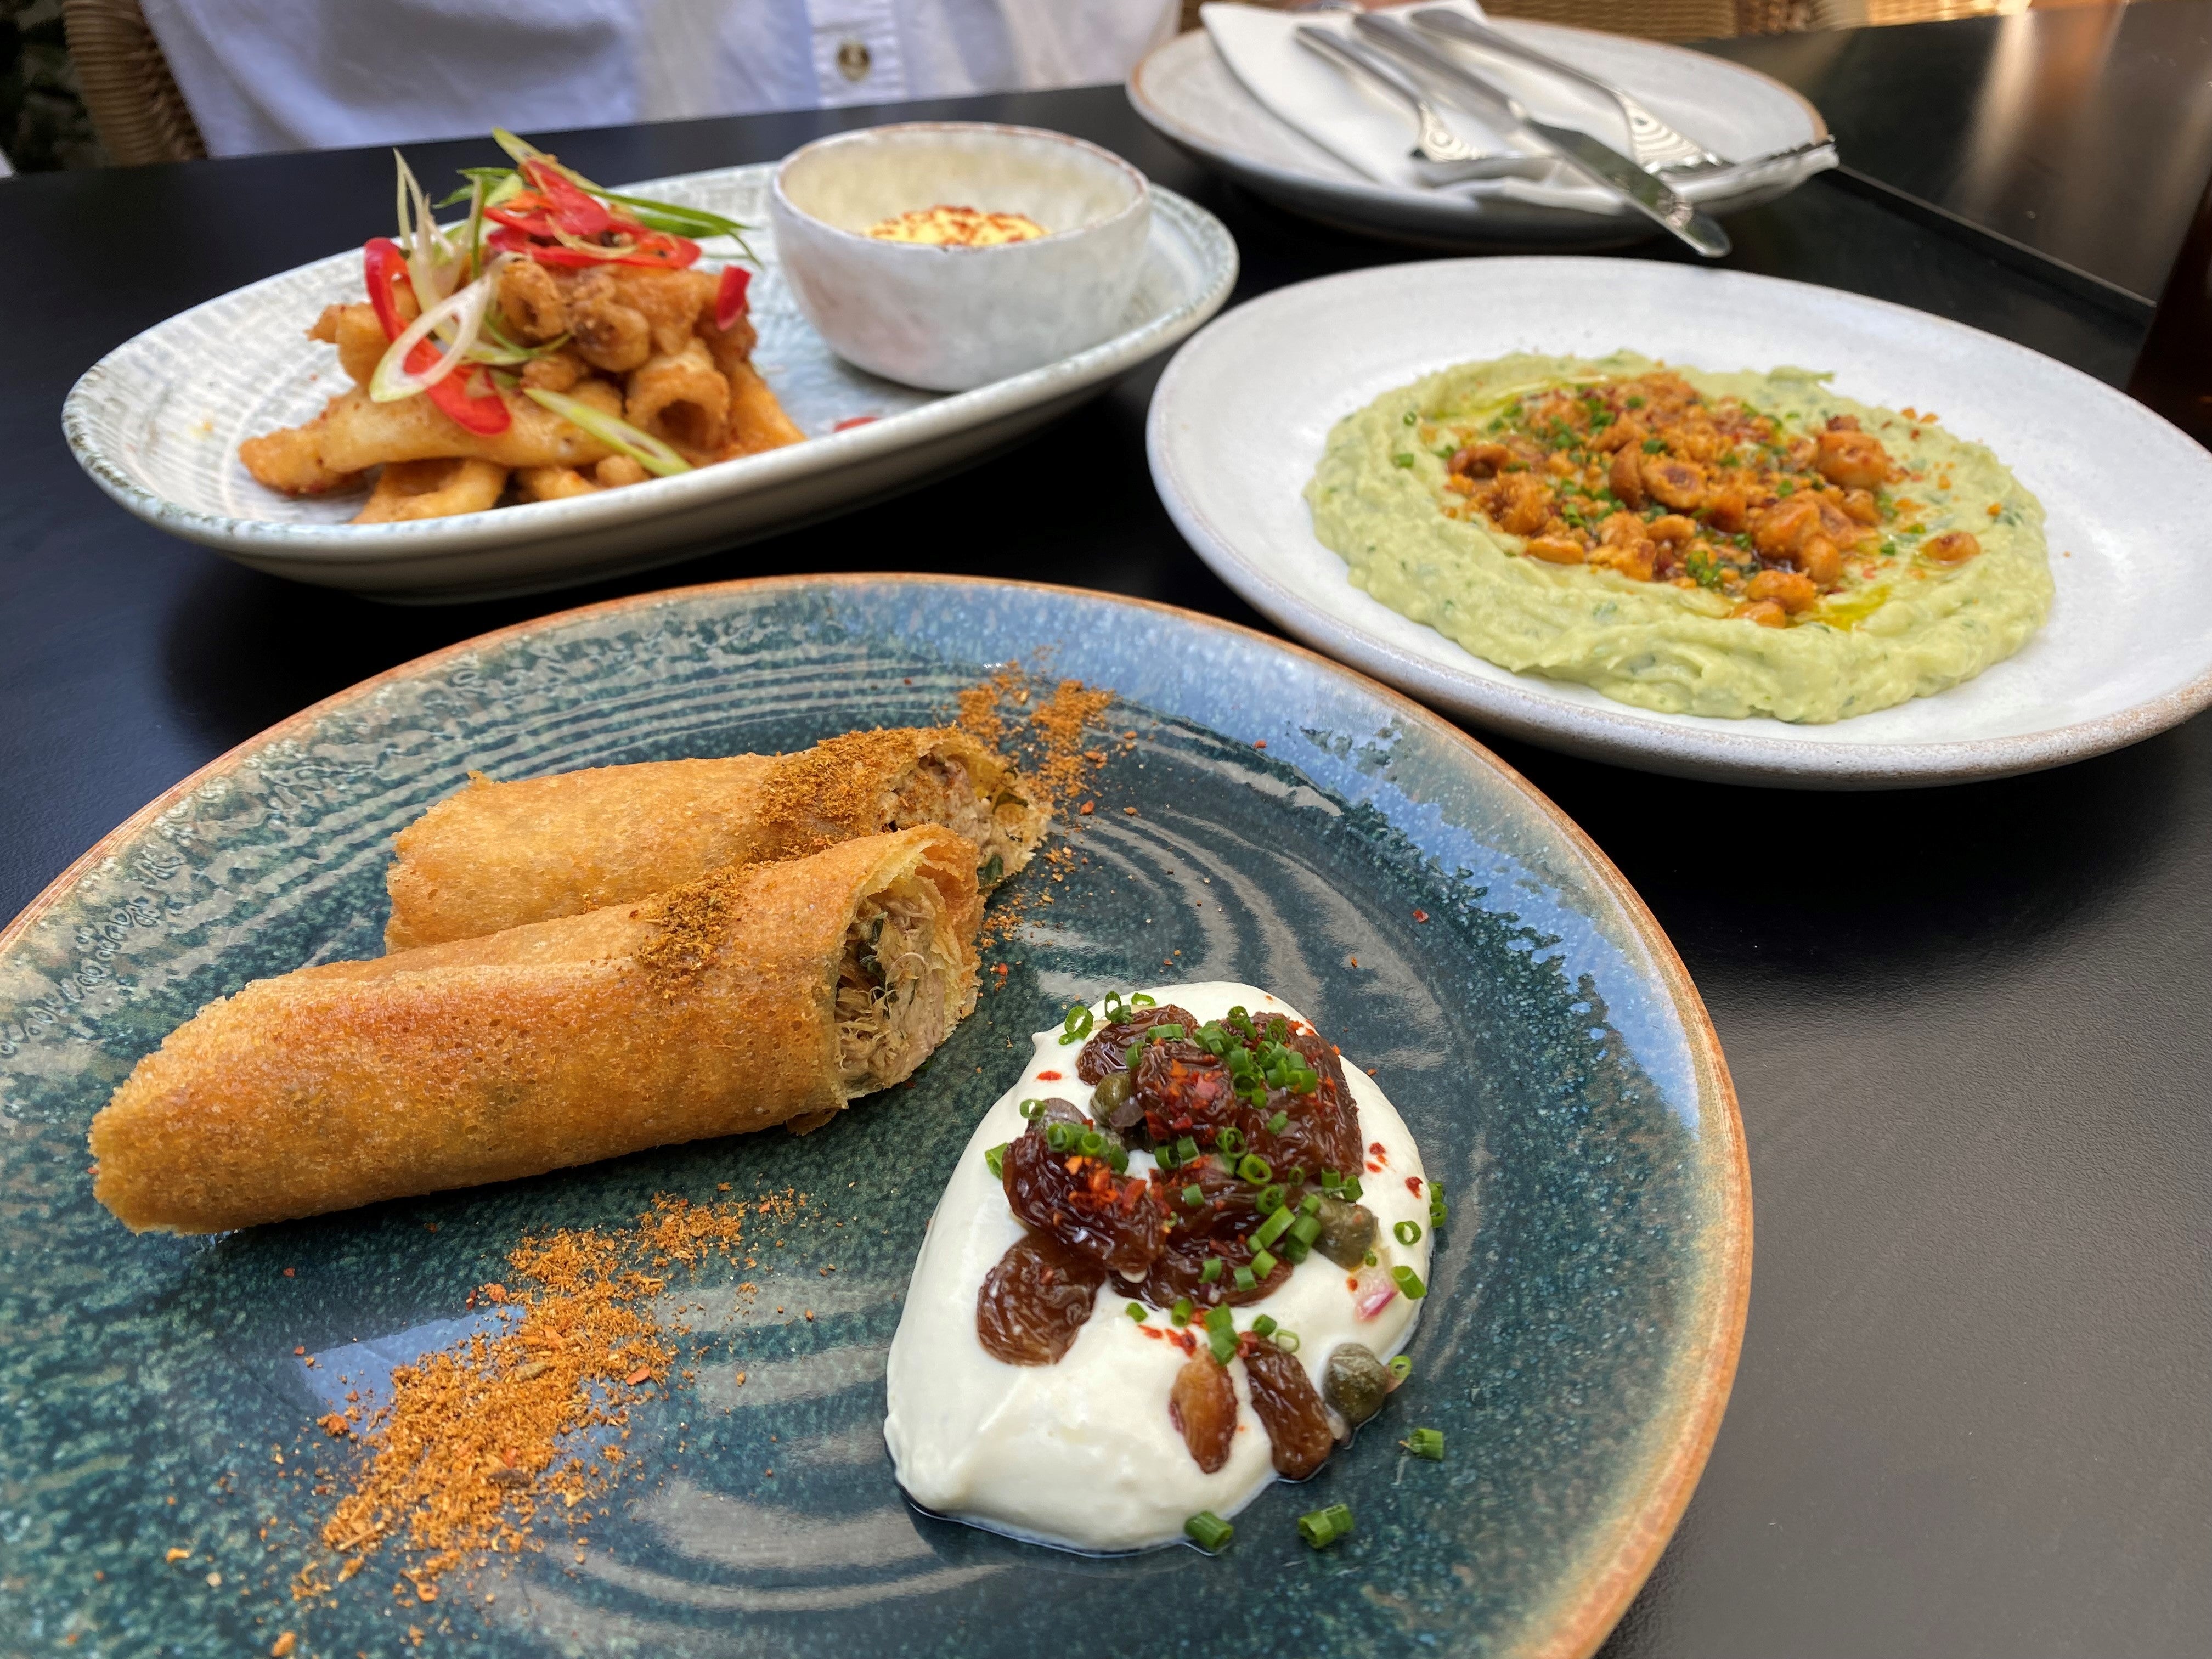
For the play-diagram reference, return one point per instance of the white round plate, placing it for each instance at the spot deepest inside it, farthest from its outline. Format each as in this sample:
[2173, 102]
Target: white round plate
[157, 424]
[1186, 91]
[1239, 418]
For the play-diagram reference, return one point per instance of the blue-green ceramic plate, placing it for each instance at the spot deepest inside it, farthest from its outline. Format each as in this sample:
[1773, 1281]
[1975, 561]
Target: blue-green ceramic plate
[1518, 1002]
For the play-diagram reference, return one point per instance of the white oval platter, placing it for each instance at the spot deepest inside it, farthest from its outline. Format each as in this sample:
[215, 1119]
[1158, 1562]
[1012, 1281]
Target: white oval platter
[157, 424]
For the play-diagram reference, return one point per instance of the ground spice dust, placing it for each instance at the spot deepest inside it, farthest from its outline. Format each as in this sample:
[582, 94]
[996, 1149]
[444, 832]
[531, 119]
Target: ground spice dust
[1048, 740]
[482, 1442]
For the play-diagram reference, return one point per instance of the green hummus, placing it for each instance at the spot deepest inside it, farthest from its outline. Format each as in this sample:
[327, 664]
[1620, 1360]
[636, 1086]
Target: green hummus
[1900, 623]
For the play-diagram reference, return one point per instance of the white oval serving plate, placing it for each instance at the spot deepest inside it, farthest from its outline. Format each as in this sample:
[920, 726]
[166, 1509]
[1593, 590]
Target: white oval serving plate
[1186, 90]
[1239, 418]
[157, 424]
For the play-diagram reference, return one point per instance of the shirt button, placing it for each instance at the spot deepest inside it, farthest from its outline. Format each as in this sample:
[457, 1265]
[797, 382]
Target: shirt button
[853, 59]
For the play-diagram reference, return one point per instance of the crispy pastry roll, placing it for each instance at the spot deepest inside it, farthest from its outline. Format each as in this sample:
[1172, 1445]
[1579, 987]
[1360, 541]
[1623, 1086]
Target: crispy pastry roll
[761, 995]
[499, 854]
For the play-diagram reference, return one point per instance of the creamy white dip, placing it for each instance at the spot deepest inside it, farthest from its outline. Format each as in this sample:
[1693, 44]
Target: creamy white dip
[1082, 1454]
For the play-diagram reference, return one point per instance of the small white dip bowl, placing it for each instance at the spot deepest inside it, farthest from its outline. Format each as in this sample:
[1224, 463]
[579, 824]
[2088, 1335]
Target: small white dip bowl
[950, 318]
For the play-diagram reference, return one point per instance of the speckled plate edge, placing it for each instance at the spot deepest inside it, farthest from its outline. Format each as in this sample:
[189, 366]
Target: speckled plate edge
[1520, 705]
[1625, 1546]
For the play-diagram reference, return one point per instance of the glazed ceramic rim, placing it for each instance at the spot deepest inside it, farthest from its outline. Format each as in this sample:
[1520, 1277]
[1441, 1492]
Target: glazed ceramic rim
[1619, 734]
[431, 539]
[1631, 1536]
[1367, 192]
[863, 136]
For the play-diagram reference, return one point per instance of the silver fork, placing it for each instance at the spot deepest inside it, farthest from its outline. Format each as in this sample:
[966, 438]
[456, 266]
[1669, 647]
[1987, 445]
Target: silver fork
[1447, 156]
[1653, 145]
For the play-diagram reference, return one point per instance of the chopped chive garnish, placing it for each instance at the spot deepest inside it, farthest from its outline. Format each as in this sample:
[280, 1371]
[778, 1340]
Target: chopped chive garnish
[1256, 1169]
[1276, 1124]
[1296, 1176]
[1211, 1271]
[1262, 1265]
[1408, 1233]
[995, 1160]
[1060, 1137]
[1350, 1191]
[1138, 1000]
[1265, 1324]
[1273, 1228]
[1306, 1229]
[1179, 1313]
[1209, 1531]
[1400, 1368]
[1330, 1180]
[1118, 1157]
[1033, 1108]
[1092, 1144]
[1270, 1200]
[1221, 1331]
[1167, 1031]
[1426, 1442]
[1136, 1311]
[1185, 1151]
[1409, 1283]
[1165, 1157]
[1193, 1196]
[1287, 1341]
[1311, 1204]
[1247, 1280]
[1231, 1140]
[1077, 1025]
[1321, 1527]
[1296, 1250]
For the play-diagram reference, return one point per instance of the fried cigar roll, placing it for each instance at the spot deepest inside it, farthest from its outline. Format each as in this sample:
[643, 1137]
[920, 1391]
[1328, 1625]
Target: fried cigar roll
[499, 854]
[762, 994]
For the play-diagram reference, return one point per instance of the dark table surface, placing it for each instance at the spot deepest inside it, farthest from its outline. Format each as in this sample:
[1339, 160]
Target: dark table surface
[1974, 1413]
[2083, 135]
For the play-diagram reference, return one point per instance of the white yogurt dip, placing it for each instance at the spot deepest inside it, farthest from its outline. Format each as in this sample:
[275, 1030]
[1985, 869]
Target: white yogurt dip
[1082, 1454]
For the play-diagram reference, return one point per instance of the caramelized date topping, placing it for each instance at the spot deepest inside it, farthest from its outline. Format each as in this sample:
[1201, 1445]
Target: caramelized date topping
[1104, 1052]
[1289, 1407]
[1202, 1405]
[1187, 1090]
[1083, 1204]
[1035, 1302]
[1220, 1224]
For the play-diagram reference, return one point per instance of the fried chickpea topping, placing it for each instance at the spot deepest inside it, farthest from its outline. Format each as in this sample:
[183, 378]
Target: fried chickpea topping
[1646, 477]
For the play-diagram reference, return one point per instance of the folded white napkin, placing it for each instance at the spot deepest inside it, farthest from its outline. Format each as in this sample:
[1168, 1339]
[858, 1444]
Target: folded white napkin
[1372, 131]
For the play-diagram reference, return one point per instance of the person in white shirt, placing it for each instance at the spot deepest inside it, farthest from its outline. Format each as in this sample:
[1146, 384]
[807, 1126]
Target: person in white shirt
[278, 74]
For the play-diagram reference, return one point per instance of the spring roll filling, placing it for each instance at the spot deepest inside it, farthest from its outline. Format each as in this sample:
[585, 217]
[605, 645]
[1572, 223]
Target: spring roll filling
[899, 984]
[1005, 828]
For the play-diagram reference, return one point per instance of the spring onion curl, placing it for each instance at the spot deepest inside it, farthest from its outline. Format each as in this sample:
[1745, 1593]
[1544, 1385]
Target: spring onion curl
[464, 312]
[647, 451]
[434, 265]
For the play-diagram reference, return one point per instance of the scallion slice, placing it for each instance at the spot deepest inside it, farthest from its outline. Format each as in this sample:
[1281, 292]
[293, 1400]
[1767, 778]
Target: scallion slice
[1262, 1265]
[1409, 1283]
[1209, 1531]
[1321, 1527]
[1306, 1229]
[1179, 1313]
[995, 1160]
[1256, 1169]
[1270, 1200]
[1426, 1442]
[1247, 1280]
[1136, 1311]
[647, 451]
[1193, 1196]
[1276, 1124]
[1400, 1368]
[1211, 1271]
[1265, 1325]
[1273, 1228]
[1406, 1232]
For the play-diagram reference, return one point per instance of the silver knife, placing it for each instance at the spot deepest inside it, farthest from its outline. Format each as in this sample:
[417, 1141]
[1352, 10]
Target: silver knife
[1599, 161]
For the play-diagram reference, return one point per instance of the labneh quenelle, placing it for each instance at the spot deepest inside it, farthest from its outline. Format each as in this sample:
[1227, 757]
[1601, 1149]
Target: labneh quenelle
[1175, 1263]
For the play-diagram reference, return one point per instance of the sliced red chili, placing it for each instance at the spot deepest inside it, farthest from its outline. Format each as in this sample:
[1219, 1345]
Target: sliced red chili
[730, 297]
[385, 268]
